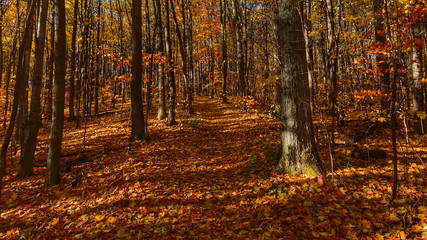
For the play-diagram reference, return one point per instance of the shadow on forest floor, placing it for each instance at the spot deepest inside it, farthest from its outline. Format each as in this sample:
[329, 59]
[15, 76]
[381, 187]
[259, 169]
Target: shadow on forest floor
[209, 177]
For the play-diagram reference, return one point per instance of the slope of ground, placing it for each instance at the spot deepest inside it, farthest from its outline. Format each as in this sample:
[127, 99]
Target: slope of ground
[210, 177]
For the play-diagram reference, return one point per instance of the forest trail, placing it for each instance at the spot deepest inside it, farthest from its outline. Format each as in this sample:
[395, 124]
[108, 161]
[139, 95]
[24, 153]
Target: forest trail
[187, 181]
[209, 177]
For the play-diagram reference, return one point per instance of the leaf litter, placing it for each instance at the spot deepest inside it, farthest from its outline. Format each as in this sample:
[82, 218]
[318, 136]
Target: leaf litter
[212, 178]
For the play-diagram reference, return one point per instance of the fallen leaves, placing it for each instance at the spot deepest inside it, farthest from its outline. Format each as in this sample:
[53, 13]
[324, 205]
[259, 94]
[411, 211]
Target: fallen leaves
[191, 182]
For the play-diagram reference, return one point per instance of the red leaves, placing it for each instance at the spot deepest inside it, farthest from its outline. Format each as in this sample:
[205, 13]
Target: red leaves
[190, 183]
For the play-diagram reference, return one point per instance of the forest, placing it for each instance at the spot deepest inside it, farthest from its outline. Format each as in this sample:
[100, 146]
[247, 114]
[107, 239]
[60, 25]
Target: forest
[226, 119]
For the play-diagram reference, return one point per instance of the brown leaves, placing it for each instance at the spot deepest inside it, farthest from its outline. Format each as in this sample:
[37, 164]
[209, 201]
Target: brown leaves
[191, 182]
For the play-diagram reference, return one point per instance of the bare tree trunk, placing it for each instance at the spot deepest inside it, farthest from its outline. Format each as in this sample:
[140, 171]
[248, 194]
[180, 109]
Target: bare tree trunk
[299, 154]
[137, 111]
[54, 155]
[29, 148]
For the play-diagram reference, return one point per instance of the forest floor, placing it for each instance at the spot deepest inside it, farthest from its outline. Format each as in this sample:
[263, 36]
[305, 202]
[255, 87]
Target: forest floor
[209, 177]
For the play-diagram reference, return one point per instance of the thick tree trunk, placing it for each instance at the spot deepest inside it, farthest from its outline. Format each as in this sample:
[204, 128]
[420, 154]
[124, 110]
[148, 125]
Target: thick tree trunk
[54, 155]
[137, 111]
[299, 152]
[29, 148]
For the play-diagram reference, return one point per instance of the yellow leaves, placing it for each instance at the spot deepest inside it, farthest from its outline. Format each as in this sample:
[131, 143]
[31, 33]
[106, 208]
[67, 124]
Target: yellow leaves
[393, 217]
[99, 218]
[54, 221]
[111, 220]
[382, 119]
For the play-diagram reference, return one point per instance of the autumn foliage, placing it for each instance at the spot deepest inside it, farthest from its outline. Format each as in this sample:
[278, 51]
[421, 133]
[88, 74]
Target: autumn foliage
[215, 67]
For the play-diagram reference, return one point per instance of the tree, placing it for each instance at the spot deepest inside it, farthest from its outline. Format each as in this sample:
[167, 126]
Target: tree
[170, 69]
[73, 71]
[9, 131]
[299, 152]
[54, 155]
[137, 111]
[417, 75]
[29, 148]
[162, 96]
[382, 65]
[224, 64]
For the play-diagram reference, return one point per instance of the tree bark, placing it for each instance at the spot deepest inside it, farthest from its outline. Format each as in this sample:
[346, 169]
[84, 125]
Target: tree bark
[417, 75]
[224, 64]
[54, 155]
[161, 114]
[239, 41]
[72, 116]
[18, 81]
[183, 54]
[137, 111]
[382, 65]
[170, 69]
[29, 148]
[299, 151]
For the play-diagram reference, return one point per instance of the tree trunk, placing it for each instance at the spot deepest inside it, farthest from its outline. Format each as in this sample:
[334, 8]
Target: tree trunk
[1, 44]
[29, 148]
[162, 93]
[224, 64]
[18, 81]
[49, 84]
[170, 69]
[239, 41]
[22, 117]
[183, 54]
[72, 116]
[98, 60]
[299, 152]
[54, 155]
[382, 65]
[137, 111]
[417, 75]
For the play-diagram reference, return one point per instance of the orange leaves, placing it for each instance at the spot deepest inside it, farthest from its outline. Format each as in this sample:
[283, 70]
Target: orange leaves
[367, 94]
[190, 183]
